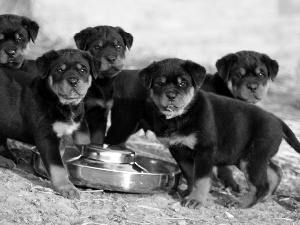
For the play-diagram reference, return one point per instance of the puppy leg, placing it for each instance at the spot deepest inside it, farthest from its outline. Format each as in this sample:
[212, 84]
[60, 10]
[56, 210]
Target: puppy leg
[183, 157]
[125, 117]
[274, 177]
[257, 175]
[49, 148]
[226, 176]
[97, 118]
[196, 168]
[7, 157]
[82, 136]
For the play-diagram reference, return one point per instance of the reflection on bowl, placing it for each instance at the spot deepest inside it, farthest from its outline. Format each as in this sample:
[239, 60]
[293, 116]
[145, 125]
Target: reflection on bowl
[141, 175]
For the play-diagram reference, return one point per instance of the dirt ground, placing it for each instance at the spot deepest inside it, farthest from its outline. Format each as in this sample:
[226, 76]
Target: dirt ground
[28, 199]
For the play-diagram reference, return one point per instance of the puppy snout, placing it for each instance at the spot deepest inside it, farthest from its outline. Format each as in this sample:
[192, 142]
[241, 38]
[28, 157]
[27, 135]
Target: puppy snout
[252, 87]
[111, 58]
[73, 81]
[10, 52]
[171, 95]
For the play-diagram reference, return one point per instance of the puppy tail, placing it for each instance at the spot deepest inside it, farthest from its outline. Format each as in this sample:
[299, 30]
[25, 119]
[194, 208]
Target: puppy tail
[290, 137]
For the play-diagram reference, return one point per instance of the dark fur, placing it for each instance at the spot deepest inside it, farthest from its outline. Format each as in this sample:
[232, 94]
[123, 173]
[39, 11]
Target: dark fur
[36, 113]
[15, 34]
[243, 75]
[107, 44]
[199, 138]
[132, 101]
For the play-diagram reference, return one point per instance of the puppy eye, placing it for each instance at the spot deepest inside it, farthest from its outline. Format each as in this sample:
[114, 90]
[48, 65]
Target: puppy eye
[97, 47]
[118, 47]
[159, 83]
[82, 70]
[261, 75]
[182, 84]
[59, 70]
[20, 39]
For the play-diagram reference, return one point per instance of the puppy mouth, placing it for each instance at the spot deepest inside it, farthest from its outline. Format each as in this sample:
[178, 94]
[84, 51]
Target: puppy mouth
[251, 100]
[69, 100]
[171, 111]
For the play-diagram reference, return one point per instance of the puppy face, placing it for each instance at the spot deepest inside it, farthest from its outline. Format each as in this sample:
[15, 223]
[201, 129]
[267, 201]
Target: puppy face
[107, 44]
[247, 74]
[69, 73]
[172, 84]
[15, 34]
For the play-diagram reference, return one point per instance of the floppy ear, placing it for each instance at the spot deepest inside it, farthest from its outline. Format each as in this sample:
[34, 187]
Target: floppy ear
[43, 63]
[196, 71]
[223, 65]
[31, 26]
[272, 66]
[81, 37]
[95, 64]
[146, 74]
[128, 38]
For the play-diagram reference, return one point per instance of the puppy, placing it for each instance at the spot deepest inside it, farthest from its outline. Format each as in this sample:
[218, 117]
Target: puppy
[203, 130]
[15, 34]
[43, 112]
[107, 44]
[244, 75]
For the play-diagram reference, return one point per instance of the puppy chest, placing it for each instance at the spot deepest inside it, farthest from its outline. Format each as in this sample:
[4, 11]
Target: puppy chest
[188, 141]
[64, 128]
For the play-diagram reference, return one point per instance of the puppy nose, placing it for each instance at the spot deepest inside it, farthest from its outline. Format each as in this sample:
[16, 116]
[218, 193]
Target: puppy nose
[73, 81]
[171, 95]
[10, 52]
[111, 58]
[252, 87]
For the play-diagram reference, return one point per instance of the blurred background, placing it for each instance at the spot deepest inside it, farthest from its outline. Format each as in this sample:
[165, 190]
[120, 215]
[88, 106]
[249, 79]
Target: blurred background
[200, 30]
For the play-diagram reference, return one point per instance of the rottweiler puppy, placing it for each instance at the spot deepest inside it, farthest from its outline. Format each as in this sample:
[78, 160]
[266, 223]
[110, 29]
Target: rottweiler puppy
[107, 44]
[203, 130]
[43, 112]
[244, 75]
[15, 35]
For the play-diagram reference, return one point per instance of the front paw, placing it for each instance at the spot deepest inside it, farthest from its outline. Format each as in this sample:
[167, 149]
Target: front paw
[6, 163]
[67, 190]
[191, 203]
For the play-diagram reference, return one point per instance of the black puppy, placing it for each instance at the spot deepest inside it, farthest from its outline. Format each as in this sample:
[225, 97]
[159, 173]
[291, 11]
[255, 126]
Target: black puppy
[107, 44]
[15, 34]
[244, 75]
[50, 107]
[203, 130]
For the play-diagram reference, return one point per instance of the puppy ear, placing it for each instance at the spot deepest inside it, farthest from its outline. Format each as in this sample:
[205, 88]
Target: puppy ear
[43, 63]
[128, 38]
[81, 37]
[196, 71]
[223, 65]
[146, 74]
[272, 66]
[31, 26]
[95, 64]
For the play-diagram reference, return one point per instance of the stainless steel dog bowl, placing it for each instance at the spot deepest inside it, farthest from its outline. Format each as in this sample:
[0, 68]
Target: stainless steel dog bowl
[115, 168]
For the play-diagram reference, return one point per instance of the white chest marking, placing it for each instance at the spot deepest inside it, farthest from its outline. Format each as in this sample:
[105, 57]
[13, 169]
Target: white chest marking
[189, 141]
[62, 129]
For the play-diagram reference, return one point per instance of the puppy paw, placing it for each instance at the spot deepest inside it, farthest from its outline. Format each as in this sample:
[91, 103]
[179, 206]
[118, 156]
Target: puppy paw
[6, 163]
[68, 191]
[238, 205]
[191, 203]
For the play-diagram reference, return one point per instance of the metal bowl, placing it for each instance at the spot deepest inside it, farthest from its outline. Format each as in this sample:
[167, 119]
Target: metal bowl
[109, 153]
[120, 170]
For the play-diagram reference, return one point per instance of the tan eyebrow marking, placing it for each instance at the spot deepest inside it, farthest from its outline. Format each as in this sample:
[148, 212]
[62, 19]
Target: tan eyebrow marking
[63, 66]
